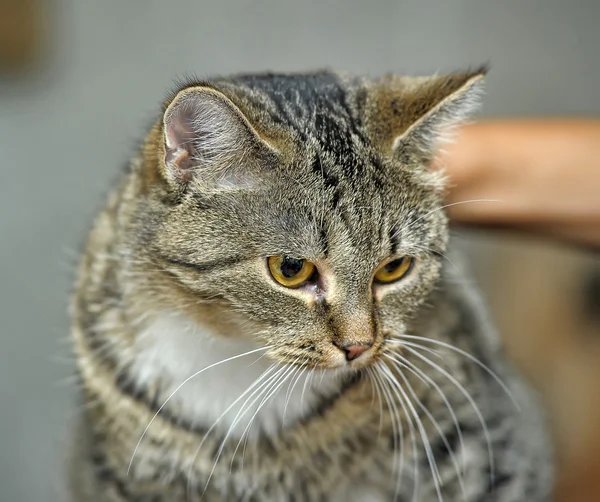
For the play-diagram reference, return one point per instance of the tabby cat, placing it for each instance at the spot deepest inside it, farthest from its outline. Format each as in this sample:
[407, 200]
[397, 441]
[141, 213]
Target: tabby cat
[265, 312]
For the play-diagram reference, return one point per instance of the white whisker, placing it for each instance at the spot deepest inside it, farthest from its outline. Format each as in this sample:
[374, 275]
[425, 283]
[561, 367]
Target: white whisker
[179, 387]
[306, 383]
[256, 382]
[397, 431]
[413, 440]
[472, 358]
[435, 424]
[376, 393]
[468, 396]
[293, 383]
[470, 201]
[426, 444]
[443, 255]
[275, 387]
[240, 414]
[425, 378]
[263, 375]
[263, 396]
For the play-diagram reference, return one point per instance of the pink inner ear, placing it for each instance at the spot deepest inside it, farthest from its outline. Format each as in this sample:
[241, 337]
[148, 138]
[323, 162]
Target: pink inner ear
[179, 139]
[178, 158]
[207, 138]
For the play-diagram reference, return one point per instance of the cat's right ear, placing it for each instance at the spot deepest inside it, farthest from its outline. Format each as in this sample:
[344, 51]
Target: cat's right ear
[411, 117]
[207, 140]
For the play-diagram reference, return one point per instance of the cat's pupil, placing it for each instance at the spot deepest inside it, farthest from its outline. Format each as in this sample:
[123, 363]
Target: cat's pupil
[393, 265]
[291, 266]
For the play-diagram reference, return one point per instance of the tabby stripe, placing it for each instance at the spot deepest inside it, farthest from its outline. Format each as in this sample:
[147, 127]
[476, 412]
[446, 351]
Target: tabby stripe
[105, 473]
[205, 267]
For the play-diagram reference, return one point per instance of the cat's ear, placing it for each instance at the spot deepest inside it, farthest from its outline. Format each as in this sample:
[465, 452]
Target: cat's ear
[413, 116]
[208, 139]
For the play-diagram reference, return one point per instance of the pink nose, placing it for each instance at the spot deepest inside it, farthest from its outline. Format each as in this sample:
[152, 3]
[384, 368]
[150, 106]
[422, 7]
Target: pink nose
[354, 351]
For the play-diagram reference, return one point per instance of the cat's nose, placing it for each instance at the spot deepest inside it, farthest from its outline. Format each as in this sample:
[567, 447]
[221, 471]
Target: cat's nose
[354, 351]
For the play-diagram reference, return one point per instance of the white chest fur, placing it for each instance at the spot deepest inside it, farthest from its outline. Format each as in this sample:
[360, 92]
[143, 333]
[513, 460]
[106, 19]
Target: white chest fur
[186, 359]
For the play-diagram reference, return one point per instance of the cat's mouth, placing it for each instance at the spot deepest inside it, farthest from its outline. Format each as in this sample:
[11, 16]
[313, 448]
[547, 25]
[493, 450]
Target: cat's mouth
[365, 359]
[351, 357]
[330, 355]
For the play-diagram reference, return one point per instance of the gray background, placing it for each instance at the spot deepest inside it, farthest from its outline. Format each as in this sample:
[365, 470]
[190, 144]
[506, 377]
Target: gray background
[66, 131]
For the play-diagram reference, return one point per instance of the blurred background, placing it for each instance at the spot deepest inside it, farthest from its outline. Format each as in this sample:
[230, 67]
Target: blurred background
[80, 81]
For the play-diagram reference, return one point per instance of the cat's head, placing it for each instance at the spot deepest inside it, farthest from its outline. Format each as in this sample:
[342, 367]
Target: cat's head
[298, 209]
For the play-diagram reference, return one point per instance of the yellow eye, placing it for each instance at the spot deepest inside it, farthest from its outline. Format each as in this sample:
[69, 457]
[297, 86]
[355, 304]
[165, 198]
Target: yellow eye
[394, 270]
[290, 272]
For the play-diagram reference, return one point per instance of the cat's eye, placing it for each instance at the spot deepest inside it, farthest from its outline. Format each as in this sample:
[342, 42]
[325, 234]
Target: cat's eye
[290, 272]
[394, 270]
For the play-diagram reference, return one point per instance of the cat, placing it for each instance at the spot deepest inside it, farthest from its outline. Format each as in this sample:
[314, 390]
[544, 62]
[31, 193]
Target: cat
[266, 310]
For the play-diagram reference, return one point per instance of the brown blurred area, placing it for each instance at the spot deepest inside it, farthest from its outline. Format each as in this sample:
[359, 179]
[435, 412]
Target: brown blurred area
[112, 60]
[546, 302]
[20, 34]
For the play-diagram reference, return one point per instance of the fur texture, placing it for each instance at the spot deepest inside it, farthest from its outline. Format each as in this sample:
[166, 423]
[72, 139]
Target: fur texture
[205, 379]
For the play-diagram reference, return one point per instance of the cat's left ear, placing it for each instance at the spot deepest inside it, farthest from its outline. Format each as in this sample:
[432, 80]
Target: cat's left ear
[410, 117]
[208, 140]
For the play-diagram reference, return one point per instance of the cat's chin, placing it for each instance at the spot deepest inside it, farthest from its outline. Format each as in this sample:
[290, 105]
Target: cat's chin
[349, 367]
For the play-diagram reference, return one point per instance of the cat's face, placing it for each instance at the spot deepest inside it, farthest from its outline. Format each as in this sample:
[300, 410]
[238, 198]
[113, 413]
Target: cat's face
[306, 219]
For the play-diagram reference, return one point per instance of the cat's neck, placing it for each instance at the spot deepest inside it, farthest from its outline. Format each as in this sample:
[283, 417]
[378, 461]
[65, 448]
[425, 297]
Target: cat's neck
[139, 446]
[208, 381]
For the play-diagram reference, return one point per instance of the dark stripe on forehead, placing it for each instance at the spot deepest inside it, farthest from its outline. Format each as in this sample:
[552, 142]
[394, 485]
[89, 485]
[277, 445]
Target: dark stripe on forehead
[394, 239]
[324, 241]
[294, 96]
[316, 106]
[329, 180]
[302, 88]
[301, 100]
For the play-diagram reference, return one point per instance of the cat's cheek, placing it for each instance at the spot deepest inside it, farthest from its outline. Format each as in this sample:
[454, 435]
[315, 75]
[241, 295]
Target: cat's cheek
[400, 307]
